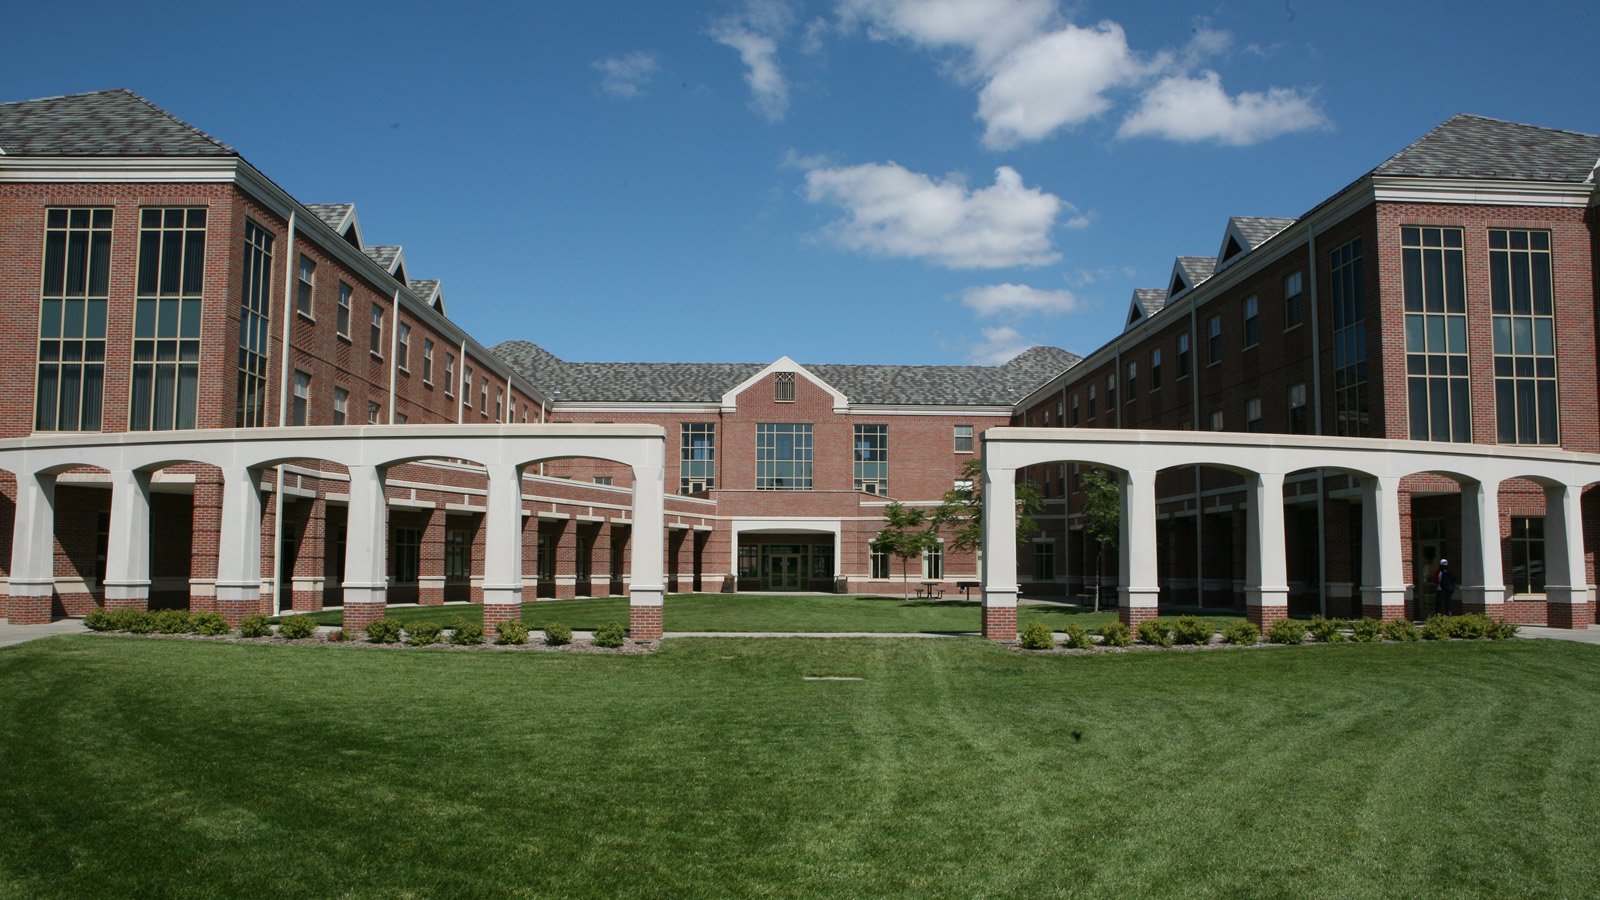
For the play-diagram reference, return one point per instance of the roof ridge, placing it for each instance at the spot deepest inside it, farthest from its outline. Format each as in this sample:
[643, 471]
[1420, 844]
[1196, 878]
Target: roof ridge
[1515, 122]
[147, 102]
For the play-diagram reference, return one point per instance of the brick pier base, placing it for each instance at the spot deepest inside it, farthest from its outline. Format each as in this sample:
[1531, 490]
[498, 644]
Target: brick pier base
[1263, 616]
[1131, 616]
[127, 603]
[495, 613]
[1000, 623]
[644, 623]
[358, 613]
[1383, 613]
[1569, 615]
[30, 611]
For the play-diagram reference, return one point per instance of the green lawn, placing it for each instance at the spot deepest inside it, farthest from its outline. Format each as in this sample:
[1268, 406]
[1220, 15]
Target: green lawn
[182, 769]
[746, 612]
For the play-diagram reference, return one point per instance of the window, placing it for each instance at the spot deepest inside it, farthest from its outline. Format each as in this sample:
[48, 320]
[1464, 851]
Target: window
[402, 351]
[1091, 401]
[483, 397]
[545, 567]
[302, 398]
[373, 411]
[880, 564]
[962, 485]
[401, 418]
[783, 387]
[449, 373]
[341, 404]
[933, 562]
[166, 322]
[499, 404]
[1527, 555]
[1074, 408]
[1155, 370]
[466, 385]
[1299, 416]
[1252, 414]
[1133, 383]
[458, 555]
[1111, 391]
[1183, 356]
[1044, 561]
[427, 361]
[783, 457]
[1216, 420]
[1294, 301]
[872, 459]
[342, 323]
[1214, 341]
[1436, 334]
[749, 561]
[72, 320]
[583, 559]
[697, 457]
[1524, 337]
[375, 344]
[407, 555]
[963, 438]
[1252, 321]
[1349, 340]
[604, 479]
[307, 284]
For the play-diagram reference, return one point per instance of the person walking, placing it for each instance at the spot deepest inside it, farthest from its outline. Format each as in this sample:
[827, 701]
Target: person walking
[1444, 586]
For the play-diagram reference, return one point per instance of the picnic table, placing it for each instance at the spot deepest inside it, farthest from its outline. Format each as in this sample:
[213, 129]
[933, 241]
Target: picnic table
[931, 589]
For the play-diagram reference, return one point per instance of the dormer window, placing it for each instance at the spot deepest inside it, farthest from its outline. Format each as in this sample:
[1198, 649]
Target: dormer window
[400, 273]
[1233, 249]
[1177, 286]
[351, 238]
[783, 387]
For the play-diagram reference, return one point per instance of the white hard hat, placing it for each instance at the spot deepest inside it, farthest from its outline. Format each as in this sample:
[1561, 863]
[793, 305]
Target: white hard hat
[1444, 562]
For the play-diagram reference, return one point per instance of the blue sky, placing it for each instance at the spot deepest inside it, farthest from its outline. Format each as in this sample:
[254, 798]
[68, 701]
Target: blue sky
[850, 181]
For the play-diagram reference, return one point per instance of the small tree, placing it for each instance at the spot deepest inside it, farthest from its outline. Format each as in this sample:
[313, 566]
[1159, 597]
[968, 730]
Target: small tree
[960, 514]
[1102, 518]
[904, 535]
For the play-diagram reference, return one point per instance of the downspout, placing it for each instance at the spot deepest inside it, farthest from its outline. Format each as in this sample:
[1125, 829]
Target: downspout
[394, 353]
[289, 263]
[1316, 421]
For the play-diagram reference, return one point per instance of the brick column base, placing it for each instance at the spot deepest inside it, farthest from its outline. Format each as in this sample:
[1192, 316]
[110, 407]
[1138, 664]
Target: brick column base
[495, 613]
[1569, 615]
[357, 613]
[644, 623]
[1131, 616]
[1383, 613]
[30, 611]
[128, 603]
[1000, 623]
[1263, 616]
[430, 591]
[1492, 610]
[236, 611]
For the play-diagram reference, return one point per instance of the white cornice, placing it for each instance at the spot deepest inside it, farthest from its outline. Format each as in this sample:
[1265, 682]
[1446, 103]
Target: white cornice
[120, 169]
[730, 401]
[1480, 191]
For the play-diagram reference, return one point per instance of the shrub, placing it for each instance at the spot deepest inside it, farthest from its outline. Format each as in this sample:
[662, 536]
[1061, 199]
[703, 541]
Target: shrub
[208, 622]
[557, 634]
[1439, 628]
[1327, 631]
[1037, 636]
[466, 633]
[610, 634]
[136, 621]
[1077, 637]
[1474, 626]
[1155, 632]
[1503, 630]
[254, 627]
[512, 632]
[1192, 630]
[421, 634]
[99, 619]
[1241, 632]
[383, 631]
[297, 627]
[1365, 630]
[1401, 630]
[1287, 631]
[172, 621]
[338, 636]
[1115, 634]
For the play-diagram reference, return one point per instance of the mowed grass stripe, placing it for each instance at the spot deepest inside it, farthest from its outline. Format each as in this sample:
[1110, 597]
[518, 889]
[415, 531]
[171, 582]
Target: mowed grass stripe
[713, 768]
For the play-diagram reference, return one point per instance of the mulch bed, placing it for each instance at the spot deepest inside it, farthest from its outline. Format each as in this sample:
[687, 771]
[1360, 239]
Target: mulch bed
[629, 646]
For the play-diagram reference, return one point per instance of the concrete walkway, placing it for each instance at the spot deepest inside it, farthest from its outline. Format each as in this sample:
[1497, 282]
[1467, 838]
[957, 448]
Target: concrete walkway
[16, 634]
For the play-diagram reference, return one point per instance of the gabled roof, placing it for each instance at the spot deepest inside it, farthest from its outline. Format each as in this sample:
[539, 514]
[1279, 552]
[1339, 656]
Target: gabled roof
[1245, 233]
[102, 123]
[341, 217]
[1467, 146]
[1146, 302]
[384, 256]
[1188, 272]
[429, 291]
[863, 384]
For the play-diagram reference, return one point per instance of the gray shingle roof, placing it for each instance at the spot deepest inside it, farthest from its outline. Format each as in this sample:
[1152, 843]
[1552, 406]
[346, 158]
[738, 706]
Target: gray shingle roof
[1466, 146]
[424, 287]
[103, 123]
[383, 256]
[1257, 229]
[1150, 300]
[332, 213]
[707, 382]
[1197, 268]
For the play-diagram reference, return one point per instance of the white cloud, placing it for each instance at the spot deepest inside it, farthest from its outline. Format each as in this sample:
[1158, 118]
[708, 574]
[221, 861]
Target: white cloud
[754, 32]
[999, 345]
[892, 211]
[1058, 79]
[1018, 299]
[988, 28]
[626, 76]
[1181, 108]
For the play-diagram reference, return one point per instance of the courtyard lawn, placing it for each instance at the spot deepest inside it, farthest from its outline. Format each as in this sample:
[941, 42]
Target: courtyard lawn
[750, 612]
[954, 768]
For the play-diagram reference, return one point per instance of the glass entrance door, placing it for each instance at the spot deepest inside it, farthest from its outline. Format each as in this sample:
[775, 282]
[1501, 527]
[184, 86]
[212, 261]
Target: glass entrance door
[780, 571]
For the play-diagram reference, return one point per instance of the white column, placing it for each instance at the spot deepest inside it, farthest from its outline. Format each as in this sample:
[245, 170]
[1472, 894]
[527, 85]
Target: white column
[128, 549]
[1383, 584]
[502, 542]
[33, 539]
[366, 560]
[1265, 556]
[1483, 586]
[999, 570]
[1138, 589]
[1566, 586]
[648, 584]
[239, 545]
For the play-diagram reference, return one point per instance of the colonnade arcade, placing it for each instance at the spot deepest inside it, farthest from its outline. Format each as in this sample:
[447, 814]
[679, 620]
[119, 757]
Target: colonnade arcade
[1263, 461]
[367, 453]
